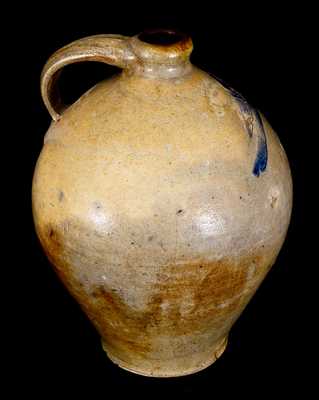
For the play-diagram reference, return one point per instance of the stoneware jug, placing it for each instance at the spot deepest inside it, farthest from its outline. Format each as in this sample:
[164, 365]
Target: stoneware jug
[161, 198]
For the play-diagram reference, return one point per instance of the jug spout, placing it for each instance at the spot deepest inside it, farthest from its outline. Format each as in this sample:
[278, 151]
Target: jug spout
[162, 53]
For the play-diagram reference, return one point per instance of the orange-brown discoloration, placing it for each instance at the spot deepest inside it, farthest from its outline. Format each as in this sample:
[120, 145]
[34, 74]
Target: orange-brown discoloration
[120, 326]
[182, 46]
[216, 292]
[52, 242]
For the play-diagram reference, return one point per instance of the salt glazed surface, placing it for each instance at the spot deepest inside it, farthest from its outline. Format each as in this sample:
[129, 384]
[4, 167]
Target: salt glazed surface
[161, 198]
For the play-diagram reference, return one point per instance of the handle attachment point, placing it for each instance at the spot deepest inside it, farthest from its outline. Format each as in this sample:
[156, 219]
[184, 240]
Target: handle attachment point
[110, 49]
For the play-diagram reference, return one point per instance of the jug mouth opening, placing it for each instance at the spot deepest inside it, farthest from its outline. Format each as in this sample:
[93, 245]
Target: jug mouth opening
[162, 37]
[162, 46]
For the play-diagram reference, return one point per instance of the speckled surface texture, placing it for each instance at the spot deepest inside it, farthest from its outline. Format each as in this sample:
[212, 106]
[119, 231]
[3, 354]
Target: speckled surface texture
[147, 202]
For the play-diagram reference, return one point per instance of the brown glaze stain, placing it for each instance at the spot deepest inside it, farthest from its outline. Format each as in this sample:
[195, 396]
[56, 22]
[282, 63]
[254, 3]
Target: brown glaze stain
[215, 295]
[120, 326]
[107, 311]
[51, 238]
[125, 328]
[52, 242]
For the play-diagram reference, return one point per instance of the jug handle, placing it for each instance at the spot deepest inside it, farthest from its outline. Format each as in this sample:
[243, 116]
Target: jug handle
[110, 49]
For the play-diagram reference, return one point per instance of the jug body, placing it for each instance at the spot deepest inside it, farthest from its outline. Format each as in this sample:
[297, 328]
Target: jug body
[162, 199]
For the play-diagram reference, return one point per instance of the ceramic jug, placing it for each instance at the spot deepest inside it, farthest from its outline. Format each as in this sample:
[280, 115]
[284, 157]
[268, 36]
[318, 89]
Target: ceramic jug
[161, 198]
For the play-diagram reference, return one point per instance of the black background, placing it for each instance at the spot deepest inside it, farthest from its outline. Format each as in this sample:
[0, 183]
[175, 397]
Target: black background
[260, 51]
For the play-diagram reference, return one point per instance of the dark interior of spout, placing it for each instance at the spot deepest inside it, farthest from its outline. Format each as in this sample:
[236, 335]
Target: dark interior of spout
[161, 37]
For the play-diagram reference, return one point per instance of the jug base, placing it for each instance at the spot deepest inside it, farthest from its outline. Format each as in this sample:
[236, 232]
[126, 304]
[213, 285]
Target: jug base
[169, 373]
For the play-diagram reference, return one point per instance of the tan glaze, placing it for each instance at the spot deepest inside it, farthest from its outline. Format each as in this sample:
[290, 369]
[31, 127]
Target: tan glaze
[147, 202]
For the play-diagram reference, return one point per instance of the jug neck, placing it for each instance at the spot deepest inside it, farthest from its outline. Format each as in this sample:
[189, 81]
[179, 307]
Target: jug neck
[161, 54]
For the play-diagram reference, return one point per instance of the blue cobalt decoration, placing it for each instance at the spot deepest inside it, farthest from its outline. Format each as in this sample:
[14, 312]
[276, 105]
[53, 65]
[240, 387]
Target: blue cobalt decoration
[254, 125]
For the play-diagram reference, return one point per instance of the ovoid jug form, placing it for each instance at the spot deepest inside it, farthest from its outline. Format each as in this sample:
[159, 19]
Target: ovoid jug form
[161, 198]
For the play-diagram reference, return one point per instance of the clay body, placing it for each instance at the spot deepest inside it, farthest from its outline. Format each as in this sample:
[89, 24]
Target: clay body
[162, 199]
